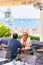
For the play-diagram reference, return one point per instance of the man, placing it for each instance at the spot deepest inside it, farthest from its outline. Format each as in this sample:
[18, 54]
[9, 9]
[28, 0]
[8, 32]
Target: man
[15, 44]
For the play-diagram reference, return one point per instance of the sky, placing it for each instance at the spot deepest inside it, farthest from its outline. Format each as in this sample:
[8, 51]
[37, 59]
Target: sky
[24, 11]
[24, 16]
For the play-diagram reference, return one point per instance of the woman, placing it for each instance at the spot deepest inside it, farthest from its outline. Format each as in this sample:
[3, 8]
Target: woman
[26, 40]
[26, 43]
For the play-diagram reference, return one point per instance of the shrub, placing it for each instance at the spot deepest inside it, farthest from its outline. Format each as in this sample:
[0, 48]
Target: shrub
[31, 37]
[34, 37]
[20, 36]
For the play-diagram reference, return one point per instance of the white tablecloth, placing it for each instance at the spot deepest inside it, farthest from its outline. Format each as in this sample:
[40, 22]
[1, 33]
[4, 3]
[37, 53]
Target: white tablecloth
[18, 63]
[2, 59]
[10, 63]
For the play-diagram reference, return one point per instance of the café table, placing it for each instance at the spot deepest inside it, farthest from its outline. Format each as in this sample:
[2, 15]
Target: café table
[10, 63]
[5, 52]
[2, 60]
[26, 51]
[17, 63]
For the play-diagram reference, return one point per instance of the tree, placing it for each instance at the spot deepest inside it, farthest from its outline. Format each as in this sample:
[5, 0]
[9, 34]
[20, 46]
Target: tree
[4, 30]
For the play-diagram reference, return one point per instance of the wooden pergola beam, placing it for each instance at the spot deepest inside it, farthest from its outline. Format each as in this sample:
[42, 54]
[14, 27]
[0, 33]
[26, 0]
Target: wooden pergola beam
[16, 2]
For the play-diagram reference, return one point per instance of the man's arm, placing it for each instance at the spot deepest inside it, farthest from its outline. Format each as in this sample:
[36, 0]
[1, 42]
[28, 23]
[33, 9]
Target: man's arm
[21, 46]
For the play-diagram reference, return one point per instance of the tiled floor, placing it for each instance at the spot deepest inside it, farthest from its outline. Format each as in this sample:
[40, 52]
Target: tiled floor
[31, 59]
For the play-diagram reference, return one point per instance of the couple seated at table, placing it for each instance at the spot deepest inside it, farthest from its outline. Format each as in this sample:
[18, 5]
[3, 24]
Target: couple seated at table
[14, 43]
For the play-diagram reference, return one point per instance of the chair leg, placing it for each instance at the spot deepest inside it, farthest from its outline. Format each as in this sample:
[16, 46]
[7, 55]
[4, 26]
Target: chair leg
[36, 61]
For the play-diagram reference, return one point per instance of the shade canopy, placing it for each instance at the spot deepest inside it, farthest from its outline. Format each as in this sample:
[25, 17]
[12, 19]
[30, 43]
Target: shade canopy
[16, 2]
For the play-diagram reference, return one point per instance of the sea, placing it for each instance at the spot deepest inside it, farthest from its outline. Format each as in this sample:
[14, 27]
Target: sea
[22, 22]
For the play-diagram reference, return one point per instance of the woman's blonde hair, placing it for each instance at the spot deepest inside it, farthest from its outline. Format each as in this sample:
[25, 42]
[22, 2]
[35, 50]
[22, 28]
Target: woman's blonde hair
[25, 34]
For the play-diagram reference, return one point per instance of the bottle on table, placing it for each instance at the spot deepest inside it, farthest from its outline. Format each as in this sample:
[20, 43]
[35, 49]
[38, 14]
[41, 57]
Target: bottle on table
[0, 46]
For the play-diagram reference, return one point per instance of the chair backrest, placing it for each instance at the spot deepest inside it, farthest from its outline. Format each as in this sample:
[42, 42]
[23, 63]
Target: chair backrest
[40, 44]
[6, 53]
[37, 42]
[32, 42]
[3, 53]
[5, 40]
[39, 58]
